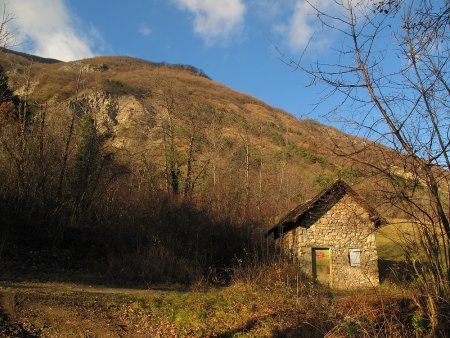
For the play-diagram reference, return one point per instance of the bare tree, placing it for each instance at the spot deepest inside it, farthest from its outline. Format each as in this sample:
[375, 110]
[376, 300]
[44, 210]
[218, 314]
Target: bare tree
[197, 116]
[171, 160]
[74, 106]
[6, 36]
[183, 128]
[216, 141]
[6, 40]
[391, 75]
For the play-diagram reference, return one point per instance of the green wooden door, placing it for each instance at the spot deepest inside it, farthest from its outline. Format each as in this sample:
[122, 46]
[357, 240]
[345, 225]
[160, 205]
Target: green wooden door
[321, 265]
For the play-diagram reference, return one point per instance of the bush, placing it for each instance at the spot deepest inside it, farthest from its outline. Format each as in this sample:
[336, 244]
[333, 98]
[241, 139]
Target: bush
[119, 88]
[324, 180]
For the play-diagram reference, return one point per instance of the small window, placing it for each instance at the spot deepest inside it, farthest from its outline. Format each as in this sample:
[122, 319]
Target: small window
[355, 257]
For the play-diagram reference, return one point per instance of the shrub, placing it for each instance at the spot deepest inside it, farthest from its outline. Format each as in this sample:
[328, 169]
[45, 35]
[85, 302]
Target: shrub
[119, 88]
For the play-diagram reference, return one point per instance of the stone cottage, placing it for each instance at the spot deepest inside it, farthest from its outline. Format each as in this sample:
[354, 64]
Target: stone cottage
[332, 236]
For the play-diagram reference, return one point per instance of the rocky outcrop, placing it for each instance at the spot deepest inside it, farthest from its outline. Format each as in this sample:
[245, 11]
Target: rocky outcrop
[124, 118]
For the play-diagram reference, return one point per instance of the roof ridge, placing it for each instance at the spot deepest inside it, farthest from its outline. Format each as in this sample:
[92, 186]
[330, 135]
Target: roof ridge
[293, 215]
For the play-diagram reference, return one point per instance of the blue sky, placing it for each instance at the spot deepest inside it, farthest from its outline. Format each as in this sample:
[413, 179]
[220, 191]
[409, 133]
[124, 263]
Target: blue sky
[231, 40]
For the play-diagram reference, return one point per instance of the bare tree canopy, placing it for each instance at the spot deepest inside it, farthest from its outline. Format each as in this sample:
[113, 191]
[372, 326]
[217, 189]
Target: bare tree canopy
[6, 36]
[388, 76]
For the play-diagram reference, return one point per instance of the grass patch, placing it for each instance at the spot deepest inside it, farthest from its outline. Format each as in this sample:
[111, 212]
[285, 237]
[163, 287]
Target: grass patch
[117, 87]
[394, 242]
[239, 310]
[389, 240]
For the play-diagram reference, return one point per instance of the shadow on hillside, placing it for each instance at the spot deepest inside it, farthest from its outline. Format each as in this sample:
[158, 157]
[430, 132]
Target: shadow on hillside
[395, 271]
[24, 268]
[162, 242]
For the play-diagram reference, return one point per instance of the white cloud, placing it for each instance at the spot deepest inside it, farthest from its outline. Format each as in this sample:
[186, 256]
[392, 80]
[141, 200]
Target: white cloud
[215, 21]
[303, 25]
[48, 27]
[144, 30]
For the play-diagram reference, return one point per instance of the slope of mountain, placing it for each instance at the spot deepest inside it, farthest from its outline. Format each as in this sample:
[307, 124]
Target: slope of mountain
[30, 57]
[143, 171]
[179, 131]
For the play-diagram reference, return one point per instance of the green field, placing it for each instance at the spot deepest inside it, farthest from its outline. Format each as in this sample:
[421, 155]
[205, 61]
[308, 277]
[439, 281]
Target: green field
[390, 240]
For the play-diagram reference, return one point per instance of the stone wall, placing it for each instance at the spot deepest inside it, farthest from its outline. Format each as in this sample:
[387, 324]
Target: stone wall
[341, 227]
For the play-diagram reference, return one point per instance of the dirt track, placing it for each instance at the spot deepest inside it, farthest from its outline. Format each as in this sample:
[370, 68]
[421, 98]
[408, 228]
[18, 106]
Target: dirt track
[67, 310]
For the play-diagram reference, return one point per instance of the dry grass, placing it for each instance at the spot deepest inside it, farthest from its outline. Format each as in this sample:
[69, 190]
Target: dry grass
[240, 310]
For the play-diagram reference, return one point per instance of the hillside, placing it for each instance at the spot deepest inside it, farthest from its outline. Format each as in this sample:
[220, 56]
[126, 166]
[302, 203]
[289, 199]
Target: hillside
[147, 107]
[139, 170]
[118, 171]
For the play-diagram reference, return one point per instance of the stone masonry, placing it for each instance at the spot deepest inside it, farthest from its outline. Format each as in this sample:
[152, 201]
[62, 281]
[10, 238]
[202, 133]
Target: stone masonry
[340, 223]
[344, 226]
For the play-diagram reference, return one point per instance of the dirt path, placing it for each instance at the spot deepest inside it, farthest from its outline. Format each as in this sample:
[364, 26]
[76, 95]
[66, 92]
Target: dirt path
[8, 305]
[9, 326]
[67, 310]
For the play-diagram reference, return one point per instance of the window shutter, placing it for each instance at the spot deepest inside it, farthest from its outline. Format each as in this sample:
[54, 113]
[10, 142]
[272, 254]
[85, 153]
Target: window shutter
[355, 257]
